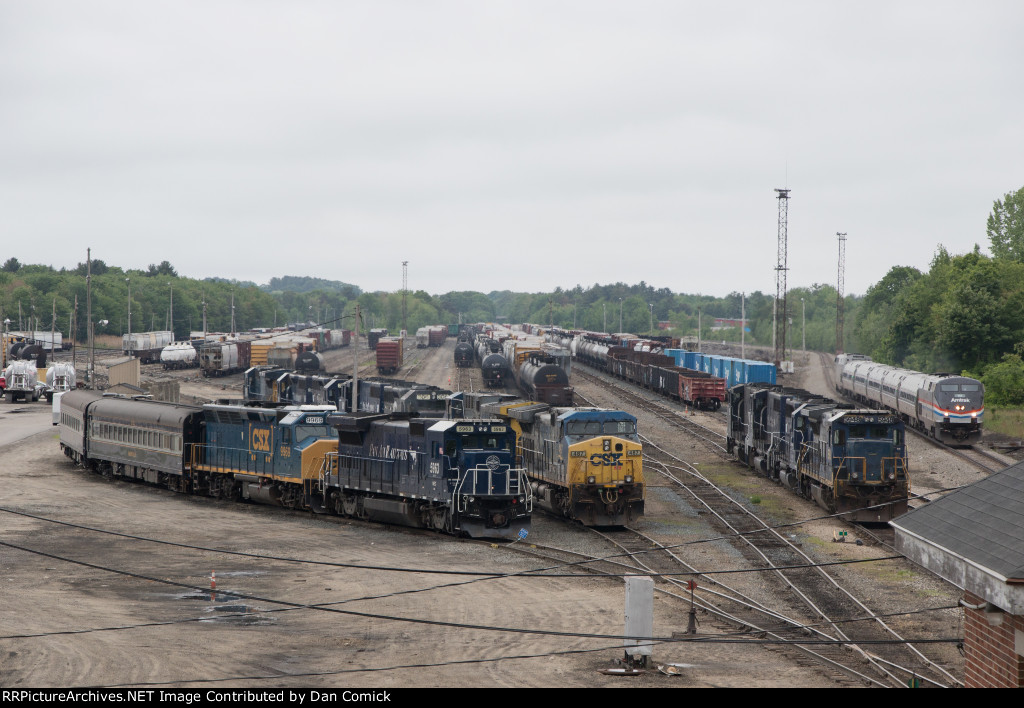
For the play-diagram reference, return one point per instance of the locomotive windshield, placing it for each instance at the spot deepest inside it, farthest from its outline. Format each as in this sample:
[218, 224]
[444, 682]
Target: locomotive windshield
[313, 431]
[583, 427]
[485, 442]
[620, 427]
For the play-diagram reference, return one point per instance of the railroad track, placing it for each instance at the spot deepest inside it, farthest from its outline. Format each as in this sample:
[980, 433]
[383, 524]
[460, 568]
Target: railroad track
[977, 456]
[822, 595]
[680, 419]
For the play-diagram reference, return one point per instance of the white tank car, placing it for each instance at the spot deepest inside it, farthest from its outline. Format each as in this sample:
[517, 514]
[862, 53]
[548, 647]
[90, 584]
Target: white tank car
[179, 355]
[21, 378]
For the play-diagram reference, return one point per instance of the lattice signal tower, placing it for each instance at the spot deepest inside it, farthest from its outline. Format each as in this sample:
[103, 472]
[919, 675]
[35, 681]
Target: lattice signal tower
[780, 277]
[839, 292]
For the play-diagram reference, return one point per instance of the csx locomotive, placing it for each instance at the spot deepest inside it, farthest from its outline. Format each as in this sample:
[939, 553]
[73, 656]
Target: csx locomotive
[846, 459]
[948, 408]
[449, 475]
[583, 463]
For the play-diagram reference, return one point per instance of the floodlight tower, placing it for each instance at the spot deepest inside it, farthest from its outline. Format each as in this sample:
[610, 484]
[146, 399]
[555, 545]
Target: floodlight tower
[839, 291]
[780, 277]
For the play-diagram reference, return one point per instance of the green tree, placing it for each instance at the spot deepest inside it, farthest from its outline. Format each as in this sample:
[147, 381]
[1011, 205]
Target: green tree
[1006, 226]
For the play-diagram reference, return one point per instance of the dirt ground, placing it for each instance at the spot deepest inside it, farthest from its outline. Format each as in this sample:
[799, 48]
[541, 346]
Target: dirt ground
[84, 607]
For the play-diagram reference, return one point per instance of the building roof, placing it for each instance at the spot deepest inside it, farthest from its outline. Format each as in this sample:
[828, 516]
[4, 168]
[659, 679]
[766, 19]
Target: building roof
[982, 522]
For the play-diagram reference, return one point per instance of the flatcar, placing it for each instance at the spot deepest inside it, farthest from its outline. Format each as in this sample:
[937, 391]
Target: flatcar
[583, 463]
[946, 407]
[850, 461]
[449, 475]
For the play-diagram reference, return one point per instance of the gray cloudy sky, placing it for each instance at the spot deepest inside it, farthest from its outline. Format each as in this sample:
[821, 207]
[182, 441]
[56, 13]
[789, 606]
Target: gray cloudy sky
[506, 145]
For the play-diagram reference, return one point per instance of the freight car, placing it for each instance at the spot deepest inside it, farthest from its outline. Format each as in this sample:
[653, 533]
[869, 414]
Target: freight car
[583, 463]
[179, 355]
[658, 373]
[850, 461]
[223, 358]
[147, 346]
[390, 351]
[463, 354]
[452, 476]
[494, 369]
[946, 407]
[541, 379]
[374, 336]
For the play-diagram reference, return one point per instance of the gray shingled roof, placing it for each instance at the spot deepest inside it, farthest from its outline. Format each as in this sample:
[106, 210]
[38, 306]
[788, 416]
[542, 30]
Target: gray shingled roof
[983, 522]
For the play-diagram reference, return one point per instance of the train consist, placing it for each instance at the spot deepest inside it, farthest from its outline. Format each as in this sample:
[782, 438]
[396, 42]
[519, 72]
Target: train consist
[456, 476]
[850, 461]
[946, 407]
[583, 463]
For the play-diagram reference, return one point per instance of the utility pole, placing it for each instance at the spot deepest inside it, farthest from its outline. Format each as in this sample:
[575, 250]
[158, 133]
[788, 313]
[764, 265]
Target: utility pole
[88, 313]
[405, 290]
[129, 316]
[780, 277]
[839, 292]
[171, 286]
[355, 365]
[743, 326]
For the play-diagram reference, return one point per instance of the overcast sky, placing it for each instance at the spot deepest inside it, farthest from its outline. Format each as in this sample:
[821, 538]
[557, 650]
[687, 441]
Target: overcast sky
[507, 145]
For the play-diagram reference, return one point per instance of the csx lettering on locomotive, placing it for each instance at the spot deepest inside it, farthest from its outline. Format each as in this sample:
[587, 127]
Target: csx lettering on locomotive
[608, 459]
[260, 439]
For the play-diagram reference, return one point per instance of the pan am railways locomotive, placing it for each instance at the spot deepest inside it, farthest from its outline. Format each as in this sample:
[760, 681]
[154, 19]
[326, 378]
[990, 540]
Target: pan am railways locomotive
[453, 476]
[583, 463]
[947, 408]
[843, 458]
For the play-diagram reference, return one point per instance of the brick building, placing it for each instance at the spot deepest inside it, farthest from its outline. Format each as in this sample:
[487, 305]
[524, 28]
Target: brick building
[974, 538]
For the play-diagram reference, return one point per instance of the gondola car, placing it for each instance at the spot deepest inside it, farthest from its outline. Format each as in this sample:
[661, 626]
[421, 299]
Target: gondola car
[850, 461]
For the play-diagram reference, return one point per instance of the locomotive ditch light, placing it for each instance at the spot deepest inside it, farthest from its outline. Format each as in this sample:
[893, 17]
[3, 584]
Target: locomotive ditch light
[629, 479]
[591, 480]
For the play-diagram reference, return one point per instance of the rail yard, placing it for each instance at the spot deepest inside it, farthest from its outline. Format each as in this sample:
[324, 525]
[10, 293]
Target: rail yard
[116, 583]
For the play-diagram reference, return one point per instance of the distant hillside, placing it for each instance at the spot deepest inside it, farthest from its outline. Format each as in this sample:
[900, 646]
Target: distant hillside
[305, 284]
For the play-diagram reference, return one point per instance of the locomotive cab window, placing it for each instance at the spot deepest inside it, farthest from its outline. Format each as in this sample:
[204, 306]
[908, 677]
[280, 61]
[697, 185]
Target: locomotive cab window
[839, 437]
[858, 431]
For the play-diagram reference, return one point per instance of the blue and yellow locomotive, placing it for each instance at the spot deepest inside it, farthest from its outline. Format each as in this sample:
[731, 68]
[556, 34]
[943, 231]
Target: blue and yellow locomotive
[846, 459]
[453, 476]
[583, 463]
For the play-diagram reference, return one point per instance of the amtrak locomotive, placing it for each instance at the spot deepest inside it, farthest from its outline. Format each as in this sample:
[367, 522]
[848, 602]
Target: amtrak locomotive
[948, 408]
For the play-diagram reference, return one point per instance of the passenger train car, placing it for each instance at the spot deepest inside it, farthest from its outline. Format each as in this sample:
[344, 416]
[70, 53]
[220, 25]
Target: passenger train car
[850, 461]
[583, 463]
[948, 408]
[450, 475]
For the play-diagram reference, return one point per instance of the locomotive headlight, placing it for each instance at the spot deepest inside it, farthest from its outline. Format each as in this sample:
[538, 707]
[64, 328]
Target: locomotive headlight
[854, 475]
[472, 499]
[892, 475]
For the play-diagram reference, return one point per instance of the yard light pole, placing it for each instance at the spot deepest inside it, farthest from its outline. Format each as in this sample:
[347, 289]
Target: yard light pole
[652, 317]
[130, 316]
[803, 323]
[620, 315]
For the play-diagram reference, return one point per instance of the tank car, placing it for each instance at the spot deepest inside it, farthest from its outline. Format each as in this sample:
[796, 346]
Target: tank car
[463, 354]
[22, 381]
[60, 377]
[541, 379]
[850, 461]
[494, 369]
[309, 362]
[179, 355]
